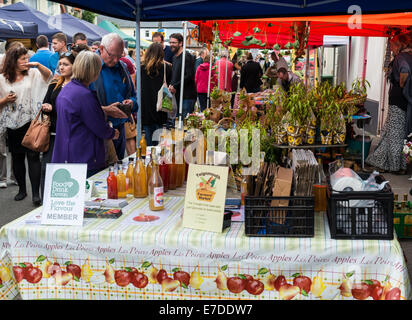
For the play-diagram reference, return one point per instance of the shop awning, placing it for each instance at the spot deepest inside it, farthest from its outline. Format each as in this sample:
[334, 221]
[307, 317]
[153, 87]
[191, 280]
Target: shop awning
[163, 10]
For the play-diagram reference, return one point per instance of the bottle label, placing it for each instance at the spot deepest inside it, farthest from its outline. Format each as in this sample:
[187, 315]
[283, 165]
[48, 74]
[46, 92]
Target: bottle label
[158, 197]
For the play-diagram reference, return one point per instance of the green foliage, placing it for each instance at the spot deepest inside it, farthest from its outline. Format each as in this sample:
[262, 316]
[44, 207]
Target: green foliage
[88, 16]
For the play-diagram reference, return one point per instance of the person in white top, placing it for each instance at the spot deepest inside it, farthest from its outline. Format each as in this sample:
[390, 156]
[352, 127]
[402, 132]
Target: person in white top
[23, 85]
[3, 133]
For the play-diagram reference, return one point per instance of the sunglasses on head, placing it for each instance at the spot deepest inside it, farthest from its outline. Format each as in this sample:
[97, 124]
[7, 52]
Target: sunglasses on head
[66, 54]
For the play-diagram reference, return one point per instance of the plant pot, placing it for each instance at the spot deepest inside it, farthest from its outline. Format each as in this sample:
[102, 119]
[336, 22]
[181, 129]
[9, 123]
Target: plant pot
[215, 114]
[281, 137]
[310, 135]
[339, 137]
[295, 140]
[215, 103]
[295, 137]
[326, 136]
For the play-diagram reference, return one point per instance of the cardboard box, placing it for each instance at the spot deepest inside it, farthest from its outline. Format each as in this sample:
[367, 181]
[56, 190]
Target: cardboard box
[282, 188]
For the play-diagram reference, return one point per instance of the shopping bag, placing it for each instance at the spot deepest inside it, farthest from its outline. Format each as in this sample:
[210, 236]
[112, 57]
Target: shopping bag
[164, 97]
[37, 137]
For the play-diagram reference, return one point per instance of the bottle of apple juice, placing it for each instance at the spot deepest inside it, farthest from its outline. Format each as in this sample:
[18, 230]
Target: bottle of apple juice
[156, 201]
[139, 178]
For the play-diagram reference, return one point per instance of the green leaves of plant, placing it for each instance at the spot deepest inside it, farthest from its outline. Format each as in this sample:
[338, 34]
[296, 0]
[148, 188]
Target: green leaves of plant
[237, 34]
[146, 264]
[262, 271]
[175, 270]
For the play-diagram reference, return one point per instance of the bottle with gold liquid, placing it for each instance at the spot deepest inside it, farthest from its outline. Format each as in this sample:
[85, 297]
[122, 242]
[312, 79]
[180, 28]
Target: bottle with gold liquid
[121, 181]
[139, 178]
[319, 188]
[129, 177]
[172, 170]
[156, 201]
[243, 190]
[143, 145]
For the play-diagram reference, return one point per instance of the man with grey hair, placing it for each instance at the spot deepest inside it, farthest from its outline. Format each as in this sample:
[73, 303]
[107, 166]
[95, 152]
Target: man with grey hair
[114, 86]
[203, 53]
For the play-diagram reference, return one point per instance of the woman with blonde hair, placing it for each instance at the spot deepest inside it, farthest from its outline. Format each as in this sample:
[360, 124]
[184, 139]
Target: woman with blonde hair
[81, 125]
[154, 72]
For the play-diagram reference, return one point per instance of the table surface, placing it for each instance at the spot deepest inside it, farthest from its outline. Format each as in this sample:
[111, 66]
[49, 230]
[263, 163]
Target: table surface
[170, 245]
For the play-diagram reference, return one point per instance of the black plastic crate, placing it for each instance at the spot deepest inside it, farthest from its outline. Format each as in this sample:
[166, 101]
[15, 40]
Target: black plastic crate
[361, 215]
[284, 217]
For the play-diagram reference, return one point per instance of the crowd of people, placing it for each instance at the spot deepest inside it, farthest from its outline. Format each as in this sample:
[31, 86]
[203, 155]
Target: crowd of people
[82, 88]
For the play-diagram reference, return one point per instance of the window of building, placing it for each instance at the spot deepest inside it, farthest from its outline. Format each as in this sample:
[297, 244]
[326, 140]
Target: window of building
[31, 3]
[50, 8]
[147, 33]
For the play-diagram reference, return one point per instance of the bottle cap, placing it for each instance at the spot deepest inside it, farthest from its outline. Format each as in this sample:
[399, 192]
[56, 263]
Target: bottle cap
[131, 159]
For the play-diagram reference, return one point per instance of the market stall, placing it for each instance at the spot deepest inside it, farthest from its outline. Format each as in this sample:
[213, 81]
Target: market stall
[97, 261]
[17, 29]
[284, 247]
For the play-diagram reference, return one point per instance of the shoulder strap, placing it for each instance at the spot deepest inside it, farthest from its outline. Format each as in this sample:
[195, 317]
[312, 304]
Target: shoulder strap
[164, 72]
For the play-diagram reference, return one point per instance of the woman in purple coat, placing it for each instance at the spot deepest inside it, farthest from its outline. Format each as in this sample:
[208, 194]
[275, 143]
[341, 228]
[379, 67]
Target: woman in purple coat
[81, 125]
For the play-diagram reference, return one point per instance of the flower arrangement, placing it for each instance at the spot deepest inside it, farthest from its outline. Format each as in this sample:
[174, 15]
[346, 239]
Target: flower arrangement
[407, 148]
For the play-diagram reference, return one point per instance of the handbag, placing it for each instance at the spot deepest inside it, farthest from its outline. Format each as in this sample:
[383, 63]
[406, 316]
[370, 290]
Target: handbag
[164, 97]
[37, 137]
[130, 128]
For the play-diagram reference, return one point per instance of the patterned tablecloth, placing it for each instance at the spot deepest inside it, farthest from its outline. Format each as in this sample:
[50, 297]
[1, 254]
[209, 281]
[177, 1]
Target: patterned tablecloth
[126, 259]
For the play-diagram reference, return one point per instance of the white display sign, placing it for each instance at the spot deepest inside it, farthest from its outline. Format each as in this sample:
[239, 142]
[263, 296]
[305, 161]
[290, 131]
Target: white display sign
[64, 193]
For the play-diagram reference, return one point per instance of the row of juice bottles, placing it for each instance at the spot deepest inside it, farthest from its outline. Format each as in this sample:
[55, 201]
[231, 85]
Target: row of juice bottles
[151, 180]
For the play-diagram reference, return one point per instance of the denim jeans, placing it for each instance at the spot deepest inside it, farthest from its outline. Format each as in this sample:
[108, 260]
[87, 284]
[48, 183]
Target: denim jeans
[188, 107]
[120, 144]
[149, 130]
[202, 97]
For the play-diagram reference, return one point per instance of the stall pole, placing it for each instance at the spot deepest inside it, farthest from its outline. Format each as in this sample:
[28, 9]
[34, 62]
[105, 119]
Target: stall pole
[182, 76]
[218, 60]
[138, 75]
[225, 73]
[210, 75]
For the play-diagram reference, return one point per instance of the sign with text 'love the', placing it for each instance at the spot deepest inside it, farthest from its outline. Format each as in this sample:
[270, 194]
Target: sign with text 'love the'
[64, 191]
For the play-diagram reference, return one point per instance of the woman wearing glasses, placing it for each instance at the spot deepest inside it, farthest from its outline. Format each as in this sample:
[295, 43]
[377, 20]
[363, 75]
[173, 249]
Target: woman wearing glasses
[22, 88]
[64, 66]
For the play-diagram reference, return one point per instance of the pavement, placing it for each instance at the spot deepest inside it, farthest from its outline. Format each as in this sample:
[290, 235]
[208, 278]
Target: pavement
[11, 209]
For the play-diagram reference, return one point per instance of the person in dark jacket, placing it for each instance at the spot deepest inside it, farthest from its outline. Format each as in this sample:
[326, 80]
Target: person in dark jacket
[153, 75]
[49, 106]
[250, 75]
[201, 59]
[81, 124]
[189, 91]
[114, 86]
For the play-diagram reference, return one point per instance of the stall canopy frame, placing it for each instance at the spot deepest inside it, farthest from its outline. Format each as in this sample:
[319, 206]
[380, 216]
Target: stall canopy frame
[167, 10]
